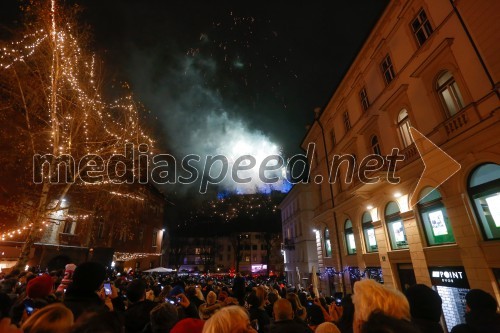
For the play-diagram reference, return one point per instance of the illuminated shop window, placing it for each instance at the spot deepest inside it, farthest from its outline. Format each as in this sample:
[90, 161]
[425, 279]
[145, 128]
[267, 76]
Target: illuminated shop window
[349, 238]
[484, 192]
[449, 93]
[395, 227]
[434, 217]
[328, 243]
[369, 232]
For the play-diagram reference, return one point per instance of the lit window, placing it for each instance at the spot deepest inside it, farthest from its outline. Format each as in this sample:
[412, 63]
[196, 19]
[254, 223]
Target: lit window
[387, 69]
[100, 231]
[421, 27]
[375, 145]
[349, 237]
[395, 227]
[449, 93]
[347, 122]
[69, 227]
[328, 244]
[364, 99]
[484, 192]
[155, 235]
[434, 217]
[404, 128]
[369, 233]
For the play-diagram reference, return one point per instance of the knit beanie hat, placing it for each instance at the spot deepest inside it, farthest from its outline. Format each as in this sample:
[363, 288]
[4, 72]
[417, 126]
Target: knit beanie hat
[40, 287]
[480, 300]
[68, 277]
[188, 325]
[88, 276]
[425, 303]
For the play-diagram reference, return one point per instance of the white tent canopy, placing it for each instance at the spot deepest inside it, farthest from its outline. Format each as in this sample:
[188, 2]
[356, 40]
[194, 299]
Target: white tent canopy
[159, 270]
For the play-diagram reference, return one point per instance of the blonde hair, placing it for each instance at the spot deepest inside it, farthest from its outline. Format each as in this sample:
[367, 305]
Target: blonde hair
[327, 327]
[52, 318]
[226, 320]
[370, 296]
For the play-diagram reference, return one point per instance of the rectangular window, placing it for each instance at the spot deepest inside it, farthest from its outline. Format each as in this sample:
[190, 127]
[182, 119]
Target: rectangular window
[247, 258]
[347, 122]
[69, 227]
[387, 69]
[254, 247]
[364, 99]
[421, 27]
[197, 250]
[155, 235]
[100, 231]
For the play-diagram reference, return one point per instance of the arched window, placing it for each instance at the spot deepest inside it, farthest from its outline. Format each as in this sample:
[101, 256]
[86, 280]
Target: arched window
[404, 127]
[349, 237]
[328, 243]
[375, 145]
[484, 192]
[395, 227]
[449, 93]
[369, 232]
[434, 217]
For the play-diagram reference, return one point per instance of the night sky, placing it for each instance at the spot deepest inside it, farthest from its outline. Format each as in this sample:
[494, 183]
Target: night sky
[214, 74]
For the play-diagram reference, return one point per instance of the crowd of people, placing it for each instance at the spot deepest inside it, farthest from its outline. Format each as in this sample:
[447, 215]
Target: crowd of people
[86, 299]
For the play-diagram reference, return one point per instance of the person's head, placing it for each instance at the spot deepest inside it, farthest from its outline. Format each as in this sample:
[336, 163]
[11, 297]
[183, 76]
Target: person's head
[380, 323]
[88, 277]
[188, 325]
[261, 294]
[253, 300]
[136, 291]
[370, 296]
[282, 310]
[163, 317]
[425, 303]
[327, 327]
[315, 315]
[211, 297]
[229, 320]
[39, 287]
[52, 318]
[478, 300]
[272, 297]
[298, 309]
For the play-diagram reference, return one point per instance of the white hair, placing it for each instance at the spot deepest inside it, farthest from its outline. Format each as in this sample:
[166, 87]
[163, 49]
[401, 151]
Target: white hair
[226, 320]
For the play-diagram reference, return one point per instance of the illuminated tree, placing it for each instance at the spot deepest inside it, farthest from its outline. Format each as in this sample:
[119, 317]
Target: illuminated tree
[51, 93]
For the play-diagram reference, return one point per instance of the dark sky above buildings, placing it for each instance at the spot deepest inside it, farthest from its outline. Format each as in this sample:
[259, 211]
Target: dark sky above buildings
[213, 73]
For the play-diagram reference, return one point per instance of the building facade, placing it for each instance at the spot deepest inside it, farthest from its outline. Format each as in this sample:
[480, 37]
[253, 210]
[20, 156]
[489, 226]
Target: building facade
[300, 249]
[431, 66]
[121, 227]
[247, 252]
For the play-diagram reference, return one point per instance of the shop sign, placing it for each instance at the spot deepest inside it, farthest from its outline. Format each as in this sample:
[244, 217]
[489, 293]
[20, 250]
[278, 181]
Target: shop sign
[453, 276]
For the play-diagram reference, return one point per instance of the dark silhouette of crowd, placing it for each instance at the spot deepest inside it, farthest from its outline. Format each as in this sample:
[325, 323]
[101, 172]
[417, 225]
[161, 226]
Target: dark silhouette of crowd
[88, 299]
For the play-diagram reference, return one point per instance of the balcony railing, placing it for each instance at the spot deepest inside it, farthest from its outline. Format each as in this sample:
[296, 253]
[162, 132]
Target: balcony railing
[69, 239]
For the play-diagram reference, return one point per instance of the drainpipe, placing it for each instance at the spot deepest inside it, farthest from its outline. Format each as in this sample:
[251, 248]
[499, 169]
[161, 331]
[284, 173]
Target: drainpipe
[476, 50]
[317, 112]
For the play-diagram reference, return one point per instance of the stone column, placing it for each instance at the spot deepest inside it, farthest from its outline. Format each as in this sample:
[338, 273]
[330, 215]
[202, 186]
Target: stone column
[382, 252]
[416, 248]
